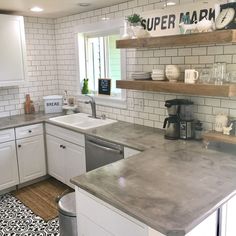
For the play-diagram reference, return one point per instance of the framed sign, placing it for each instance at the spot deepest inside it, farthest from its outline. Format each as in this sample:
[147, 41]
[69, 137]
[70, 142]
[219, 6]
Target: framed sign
[162, 22]
[104, 86]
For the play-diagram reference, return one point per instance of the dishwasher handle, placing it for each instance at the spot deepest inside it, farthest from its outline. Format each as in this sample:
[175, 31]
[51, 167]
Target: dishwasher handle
[118, 151]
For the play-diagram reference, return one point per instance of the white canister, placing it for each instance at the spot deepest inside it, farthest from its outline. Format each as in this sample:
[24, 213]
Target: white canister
[220, 122]
[53, 104]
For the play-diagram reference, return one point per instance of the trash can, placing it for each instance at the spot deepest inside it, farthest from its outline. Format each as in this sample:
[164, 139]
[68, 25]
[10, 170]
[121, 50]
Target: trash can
[67, 215]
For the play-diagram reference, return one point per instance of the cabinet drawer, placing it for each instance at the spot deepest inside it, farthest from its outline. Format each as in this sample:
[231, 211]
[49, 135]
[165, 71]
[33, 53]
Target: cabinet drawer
[69, 136]
[7, 135]
[29, 131]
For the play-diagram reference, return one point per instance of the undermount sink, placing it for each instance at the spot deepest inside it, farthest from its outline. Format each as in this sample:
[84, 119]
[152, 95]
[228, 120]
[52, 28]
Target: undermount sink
[81, 121]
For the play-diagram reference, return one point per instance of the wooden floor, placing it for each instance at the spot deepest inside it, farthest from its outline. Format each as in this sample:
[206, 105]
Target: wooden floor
[41, 197]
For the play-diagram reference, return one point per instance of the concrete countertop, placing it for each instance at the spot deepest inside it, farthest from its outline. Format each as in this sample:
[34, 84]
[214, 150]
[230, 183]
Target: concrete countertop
[130, 135]
[22, 120]
[171, 188]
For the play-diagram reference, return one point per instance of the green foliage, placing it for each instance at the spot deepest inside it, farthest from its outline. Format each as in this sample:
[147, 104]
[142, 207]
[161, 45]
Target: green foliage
[134, 19]
[85, 89]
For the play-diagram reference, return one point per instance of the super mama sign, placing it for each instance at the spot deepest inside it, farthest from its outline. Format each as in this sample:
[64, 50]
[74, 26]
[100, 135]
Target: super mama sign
[166, 21]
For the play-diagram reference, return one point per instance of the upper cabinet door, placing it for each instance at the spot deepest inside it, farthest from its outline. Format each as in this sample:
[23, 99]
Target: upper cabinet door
[13, 51]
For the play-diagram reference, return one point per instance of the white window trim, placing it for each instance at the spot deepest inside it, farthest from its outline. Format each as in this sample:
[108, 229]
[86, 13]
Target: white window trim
[93, 29]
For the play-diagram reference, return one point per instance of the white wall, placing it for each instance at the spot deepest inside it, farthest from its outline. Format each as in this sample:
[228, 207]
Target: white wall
[42, 68]
[52, 68]
[152, 113]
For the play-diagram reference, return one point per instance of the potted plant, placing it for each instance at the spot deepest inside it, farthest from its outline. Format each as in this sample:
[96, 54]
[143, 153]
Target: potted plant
[135, 24]
[134, 19]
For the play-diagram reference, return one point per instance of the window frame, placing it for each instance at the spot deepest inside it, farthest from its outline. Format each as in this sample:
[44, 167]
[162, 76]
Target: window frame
[97, 29]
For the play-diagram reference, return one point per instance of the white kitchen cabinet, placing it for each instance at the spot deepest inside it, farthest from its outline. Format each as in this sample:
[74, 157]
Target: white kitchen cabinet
[8, 165]
[65, 153]
[30, 152]
[207, 227]
[88, 228]
[228, 226]
[13, 51]
[65, 160]
[31, 158]
[55, 155]
[94, 214]
[75, 161]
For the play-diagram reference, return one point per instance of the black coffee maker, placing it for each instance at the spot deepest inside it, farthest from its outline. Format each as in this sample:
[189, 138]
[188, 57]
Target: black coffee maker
[180, 120]
[172, 123]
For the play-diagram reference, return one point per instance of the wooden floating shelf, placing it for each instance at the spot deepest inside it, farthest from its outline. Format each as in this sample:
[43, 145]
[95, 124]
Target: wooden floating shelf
[215, 37]
[219, 137]
[226, 90]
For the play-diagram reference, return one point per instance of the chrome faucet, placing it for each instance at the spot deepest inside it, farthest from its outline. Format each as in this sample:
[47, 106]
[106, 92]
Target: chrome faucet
[93, 105]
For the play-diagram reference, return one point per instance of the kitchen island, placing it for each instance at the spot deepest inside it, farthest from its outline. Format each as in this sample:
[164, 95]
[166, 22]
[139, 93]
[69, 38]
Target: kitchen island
[172, 190]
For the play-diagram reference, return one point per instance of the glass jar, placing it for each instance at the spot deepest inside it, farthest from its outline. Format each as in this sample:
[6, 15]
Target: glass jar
[205, 75]
[219, 73]
[198, 130]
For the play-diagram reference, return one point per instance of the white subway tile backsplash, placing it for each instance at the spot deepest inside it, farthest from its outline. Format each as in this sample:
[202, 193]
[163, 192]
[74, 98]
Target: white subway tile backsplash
[205, 109]
[230, 49]
[177, 60]
[220, 110]
[206, 59]
[171, 52]
[223, 58]
[191, 60]
[165, 60]
[212, 102]
[228, 104]
[199, 51]
[232, 113]
[184, 52]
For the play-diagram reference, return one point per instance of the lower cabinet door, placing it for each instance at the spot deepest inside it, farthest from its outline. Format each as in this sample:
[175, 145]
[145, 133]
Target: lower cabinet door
[8, 165]
[55, 155]
[31, 158]
[88, 228]
[75, 161]
[65, 160]
[228, 226]
[208, 227]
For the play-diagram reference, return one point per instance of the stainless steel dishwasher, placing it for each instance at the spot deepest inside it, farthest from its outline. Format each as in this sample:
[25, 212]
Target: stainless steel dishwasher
[100, 152]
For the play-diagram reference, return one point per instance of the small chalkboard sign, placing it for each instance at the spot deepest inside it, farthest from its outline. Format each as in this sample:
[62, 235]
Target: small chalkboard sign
[104, 86]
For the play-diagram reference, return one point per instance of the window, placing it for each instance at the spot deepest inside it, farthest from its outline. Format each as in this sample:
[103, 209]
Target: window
[102, 60]
[99, 58]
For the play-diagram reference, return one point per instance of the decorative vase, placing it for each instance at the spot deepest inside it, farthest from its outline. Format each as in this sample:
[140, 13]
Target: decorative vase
[172, 73]
[126, 34]
[135, 27]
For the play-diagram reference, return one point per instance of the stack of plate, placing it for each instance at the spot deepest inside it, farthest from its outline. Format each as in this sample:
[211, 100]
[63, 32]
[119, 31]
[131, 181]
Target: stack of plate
[158, 74]
[141, 75]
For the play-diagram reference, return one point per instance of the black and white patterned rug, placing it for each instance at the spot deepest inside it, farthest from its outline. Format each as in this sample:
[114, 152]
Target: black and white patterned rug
[18, 220]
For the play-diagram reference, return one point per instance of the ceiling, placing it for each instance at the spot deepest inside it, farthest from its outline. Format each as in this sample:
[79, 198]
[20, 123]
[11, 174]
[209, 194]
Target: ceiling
[53, 8]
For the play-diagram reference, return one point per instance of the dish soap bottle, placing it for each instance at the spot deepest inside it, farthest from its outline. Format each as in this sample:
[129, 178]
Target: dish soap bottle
[65, 98]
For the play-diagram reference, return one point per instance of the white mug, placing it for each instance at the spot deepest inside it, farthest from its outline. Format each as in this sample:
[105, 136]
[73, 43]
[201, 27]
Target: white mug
[191, 76]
